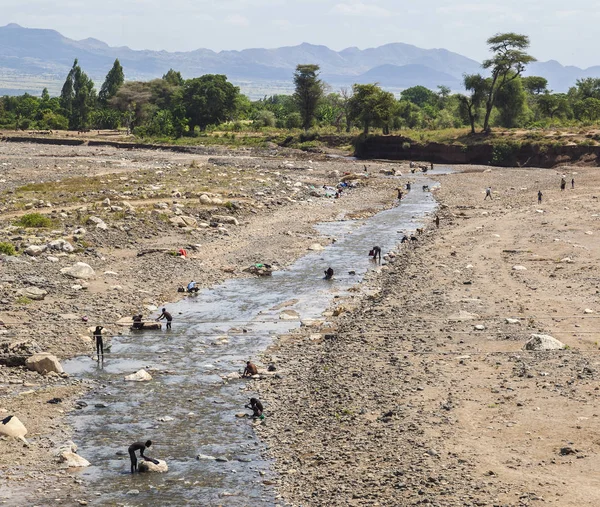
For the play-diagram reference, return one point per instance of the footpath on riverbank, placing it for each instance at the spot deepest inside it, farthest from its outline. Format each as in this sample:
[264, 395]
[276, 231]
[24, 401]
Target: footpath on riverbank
[420, 392]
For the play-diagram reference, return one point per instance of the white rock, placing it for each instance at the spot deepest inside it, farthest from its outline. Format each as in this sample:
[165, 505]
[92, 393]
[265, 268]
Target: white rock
[519, 268]
[543, 342]
[35, 250]
[588, 311]
[80, 270]
[317, 247]
[11, 426]
[139, 376]
[33, 293]
[44, 362]
[50, 258]
[512, 321]
[225, 219]
[149, 466]
[166, 418]
[204, 199]
[72, 460]
[567, 260]
[480, 327]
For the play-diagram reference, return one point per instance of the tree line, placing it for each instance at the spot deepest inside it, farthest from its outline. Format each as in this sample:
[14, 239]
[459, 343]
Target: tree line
[172, 107]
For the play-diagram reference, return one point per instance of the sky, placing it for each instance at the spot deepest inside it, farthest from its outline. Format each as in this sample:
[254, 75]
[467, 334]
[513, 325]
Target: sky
[559, 30]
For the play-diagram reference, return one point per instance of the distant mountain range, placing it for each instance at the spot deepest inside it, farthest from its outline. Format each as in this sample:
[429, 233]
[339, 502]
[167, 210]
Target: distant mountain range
[33, 58]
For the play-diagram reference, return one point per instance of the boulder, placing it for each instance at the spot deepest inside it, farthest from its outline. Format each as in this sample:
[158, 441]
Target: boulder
[11, 426]
[79, 270]
[149, 466]
[317, 247]
[16, 353]
[225, 219]
[35, 250]
[61, 245]
[44, 362]
[33, 293]
[94, 221]
[543, 342]
[519, 268]
[139, 376]
[204, 199]
[184, 221]
[72, 460]
[289, 315]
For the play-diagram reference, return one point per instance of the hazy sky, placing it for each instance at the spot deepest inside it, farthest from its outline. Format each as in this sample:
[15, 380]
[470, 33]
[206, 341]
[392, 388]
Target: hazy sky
[560, 30]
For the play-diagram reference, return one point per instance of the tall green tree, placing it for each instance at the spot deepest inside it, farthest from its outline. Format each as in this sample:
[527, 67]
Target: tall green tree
[419, 95]
[78, 98]
[508, 62]
[470, 104]
[511, 102]
[309, 90]
[114, 80]
[209, 100]
[370, 106]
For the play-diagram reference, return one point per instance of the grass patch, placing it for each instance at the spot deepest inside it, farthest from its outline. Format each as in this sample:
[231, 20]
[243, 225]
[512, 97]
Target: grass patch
[23, 300]
[34, 220]
[7, 248]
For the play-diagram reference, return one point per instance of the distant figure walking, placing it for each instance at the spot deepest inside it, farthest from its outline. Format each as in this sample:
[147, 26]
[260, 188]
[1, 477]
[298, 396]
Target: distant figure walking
[408, 186]
[540, 196]
[488, 193]
[99, 343]
[375, 252]
[165, 315]
[437, 221]
[563, 183]
[328, 274]
[572, 182]
[400, 193]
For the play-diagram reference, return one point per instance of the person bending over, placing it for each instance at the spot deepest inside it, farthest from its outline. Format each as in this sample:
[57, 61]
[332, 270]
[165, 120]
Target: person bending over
[137, 446]
[250, 370]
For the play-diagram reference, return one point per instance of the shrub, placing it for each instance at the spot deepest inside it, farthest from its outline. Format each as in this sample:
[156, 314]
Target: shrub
[7, 248]
[34, 220]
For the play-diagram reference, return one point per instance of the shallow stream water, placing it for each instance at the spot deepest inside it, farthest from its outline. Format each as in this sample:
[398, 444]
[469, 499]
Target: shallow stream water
[187, 365]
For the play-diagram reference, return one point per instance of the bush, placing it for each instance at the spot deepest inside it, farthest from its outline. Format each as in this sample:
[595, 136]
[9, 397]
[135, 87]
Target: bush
[7, 248]
[265, 119]
[293, 121]
[34, 220]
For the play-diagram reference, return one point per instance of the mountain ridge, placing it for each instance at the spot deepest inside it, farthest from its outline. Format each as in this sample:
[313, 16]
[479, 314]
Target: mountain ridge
[31, 55]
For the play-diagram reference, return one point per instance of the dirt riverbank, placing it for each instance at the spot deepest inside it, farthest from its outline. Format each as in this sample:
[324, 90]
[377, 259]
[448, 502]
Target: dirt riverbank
[420, 392]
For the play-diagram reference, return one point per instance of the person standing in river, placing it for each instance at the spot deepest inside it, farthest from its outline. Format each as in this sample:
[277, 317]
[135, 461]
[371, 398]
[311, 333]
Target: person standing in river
[138, 446]
[166, 315]
[99, 342]
[328, 273]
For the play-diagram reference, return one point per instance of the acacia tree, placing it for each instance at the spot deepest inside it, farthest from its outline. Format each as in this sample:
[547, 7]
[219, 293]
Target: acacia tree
[507, 64]
[309, 91]
[471, 104]
[114, 80]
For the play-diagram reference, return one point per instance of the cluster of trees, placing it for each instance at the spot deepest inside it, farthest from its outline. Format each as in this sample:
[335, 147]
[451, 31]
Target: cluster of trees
[174, 107]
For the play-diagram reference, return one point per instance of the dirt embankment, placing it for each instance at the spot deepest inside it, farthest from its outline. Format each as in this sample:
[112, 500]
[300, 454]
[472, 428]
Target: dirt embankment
[421, 393]
[504, 153]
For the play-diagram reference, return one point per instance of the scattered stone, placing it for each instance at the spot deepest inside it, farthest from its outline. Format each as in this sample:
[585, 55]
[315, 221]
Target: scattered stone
[139, 376]
[44, 362]
[149, 466]
[33, 293]
[543, 342]
[79, 270]
[317, 247]
[519, 268]
[72, 460]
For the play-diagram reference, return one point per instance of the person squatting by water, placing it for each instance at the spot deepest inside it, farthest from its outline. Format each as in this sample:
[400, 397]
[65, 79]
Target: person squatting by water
[139, 446]
[256, 407]
[250, 370]
[328, 274]
[488, 193]
[375, 252]
[191, 287]
[137, 322]
[99, 343]
[165, 315]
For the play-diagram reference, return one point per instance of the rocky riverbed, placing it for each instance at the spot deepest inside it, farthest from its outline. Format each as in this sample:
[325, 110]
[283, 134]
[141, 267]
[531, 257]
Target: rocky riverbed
[114, 223]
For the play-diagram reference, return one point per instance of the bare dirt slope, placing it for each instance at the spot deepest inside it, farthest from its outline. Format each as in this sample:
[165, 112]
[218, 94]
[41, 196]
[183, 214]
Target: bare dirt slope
[406, 402]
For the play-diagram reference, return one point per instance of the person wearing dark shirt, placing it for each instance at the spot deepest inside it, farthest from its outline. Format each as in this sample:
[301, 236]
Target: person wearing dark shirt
[166, 315]
[256, 407]
[329, 274]
[137, 446]
[99, 343]
[137, 322]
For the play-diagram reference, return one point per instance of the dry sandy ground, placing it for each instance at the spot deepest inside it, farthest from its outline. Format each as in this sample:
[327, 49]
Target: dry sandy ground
[404, 402]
